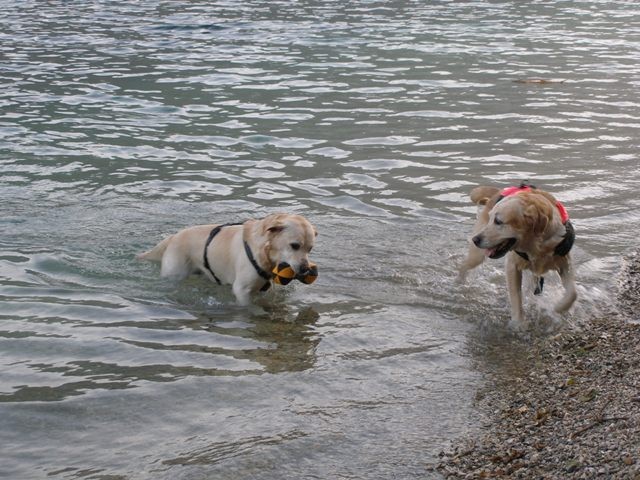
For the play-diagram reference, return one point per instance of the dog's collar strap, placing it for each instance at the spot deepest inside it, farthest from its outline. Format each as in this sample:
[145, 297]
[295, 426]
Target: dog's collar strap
[212, 235]
[564, 247]
[258, 268]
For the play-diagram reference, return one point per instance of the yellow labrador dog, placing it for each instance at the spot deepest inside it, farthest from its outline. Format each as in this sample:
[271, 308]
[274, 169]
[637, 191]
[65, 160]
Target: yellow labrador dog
[533, 229]
[241, 255]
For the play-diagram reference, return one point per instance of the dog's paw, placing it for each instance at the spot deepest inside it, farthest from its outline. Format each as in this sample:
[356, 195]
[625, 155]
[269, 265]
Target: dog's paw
[518, 324]
[461, 277]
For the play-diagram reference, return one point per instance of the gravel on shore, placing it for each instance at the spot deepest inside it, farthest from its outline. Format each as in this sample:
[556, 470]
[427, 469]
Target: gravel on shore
[571, 410]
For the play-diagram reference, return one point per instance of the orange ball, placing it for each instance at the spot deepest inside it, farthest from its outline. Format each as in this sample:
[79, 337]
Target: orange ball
[310, 276]
[283, 273]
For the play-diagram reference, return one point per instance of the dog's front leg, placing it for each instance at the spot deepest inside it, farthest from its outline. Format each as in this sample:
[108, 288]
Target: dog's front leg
[242, 293]
[475, 255]
[569, 283]
[474, 258]
[514, 286]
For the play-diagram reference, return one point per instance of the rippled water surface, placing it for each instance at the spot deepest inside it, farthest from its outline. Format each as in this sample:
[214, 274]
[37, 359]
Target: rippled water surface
[123, 122]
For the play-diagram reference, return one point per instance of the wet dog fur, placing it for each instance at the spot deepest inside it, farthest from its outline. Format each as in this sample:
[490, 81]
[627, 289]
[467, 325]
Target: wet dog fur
[527, 222]
[276, 238]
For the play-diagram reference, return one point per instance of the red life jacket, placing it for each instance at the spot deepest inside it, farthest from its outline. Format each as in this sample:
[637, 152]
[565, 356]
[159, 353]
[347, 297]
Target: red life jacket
[507, 192]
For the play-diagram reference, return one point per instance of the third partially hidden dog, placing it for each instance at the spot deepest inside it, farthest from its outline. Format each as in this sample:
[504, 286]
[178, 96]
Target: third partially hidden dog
[242, 255]
[533, 230]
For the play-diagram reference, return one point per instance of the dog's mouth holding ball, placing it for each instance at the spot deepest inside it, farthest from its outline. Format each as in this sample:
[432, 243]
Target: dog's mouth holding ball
[283, 274]
[501, 249]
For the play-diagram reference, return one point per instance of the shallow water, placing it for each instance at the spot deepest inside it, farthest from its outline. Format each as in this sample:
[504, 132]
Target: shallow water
[120, 123]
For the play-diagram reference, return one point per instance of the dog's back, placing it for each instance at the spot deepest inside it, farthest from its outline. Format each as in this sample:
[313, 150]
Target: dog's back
[482, 195]
[156, 253]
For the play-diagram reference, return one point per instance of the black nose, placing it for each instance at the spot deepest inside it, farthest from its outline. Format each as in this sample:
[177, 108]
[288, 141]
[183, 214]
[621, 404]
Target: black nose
[477, 240]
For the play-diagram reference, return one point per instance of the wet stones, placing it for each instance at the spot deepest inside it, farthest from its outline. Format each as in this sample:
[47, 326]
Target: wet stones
[574, 414]
[629, 285]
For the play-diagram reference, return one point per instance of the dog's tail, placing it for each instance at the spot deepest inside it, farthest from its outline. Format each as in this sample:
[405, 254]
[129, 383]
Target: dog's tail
[481, 195]
[155, 254]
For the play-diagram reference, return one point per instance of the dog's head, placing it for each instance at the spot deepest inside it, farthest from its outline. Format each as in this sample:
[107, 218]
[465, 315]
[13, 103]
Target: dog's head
[290, 238]
[516, 222]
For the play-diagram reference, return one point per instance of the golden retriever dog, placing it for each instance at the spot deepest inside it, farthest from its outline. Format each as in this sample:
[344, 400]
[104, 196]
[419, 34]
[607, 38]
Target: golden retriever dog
[242, 255]
[533, 230]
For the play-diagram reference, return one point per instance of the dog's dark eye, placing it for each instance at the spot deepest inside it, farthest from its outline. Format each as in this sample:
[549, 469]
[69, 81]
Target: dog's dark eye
[295, 246]
[497, 221]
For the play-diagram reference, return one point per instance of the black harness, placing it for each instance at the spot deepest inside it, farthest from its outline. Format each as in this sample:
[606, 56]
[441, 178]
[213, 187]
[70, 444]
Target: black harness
[260, 271]
[564, 247]
[247, 249]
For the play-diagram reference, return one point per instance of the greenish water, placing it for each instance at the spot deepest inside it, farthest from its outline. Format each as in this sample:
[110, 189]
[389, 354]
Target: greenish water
[121, 122]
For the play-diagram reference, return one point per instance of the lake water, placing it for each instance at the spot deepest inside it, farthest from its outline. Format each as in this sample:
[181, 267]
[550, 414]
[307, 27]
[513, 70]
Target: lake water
[123, 122]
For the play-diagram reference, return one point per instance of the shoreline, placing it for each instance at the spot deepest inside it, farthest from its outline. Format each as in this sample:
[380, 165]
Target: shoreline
[572, 410]
[568, 408]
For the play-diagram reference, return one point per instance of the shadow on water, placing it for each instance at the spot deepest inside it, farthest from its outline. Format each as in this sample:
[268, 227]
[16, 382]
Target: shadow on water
[289, 334]
[278, 340]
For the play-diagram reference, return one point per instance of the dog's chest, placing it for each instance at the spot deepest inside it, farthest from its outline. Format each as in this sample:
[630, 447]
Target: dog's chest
[537, 265]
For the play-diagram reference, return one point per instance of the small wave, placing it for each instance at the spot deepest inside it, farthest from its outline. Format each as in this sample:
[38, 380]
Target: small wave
[210, 27]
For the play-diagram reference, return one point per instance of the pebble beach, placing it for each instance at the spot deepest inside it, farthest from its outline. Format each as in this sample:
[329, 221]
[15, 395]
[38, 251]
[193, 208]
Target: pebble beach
[571, 410]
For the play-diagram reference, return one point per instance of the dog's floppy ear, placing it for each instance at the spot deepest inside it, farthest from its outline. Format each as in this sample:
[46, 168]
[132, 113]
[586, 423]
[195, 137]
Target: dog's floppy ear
[274, 224]
[275, 228]
[538, 215]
